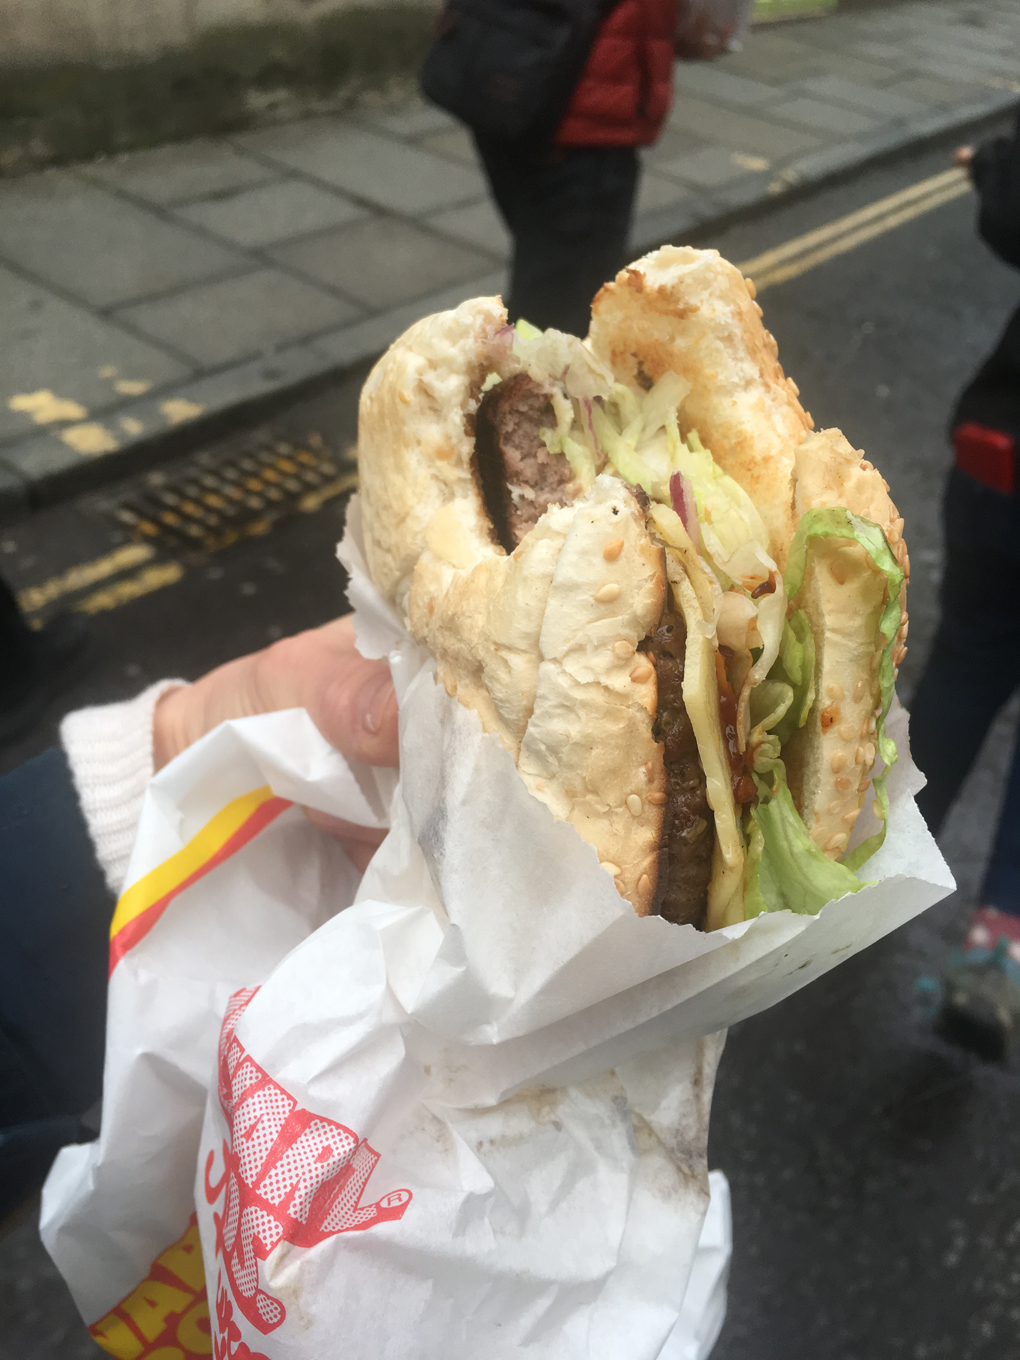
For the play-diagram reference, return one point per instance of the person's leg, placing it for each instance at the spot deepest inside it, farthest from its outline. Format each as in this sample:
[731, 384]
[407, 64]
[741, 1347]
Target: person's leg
[962, 688]
[34, 665]
[571, 234]
[15, 640]
[974, 664]
[506, 167]
[1001, 887]
[973, 669]
[569, 211]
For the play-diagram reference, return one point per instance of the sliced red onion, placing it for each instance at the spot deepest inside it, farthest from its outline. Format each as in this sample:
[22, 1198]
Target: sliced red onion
[681, 493]
[503, 343]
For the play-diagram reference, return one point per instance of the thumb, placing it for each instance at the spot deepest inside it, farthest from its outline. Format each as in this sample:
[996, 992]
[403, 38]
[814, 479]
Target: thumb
[349, 698]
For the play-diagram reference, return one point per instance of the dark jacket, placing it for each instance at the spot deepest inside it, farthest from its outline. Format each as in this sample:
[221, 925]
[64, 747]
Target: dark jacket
[992, 398]
[55, 911]
[626, 88]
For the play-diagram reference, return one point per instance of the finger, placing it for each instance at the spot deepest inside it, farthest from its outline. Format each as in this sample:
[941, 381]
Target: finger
[359, 854]
[349, 698]
[369, 836]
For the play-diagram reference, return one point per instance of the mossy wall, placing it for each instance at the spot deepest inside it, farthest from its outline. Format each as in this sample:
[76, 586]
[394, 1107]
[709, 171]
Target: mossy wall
[226, 79]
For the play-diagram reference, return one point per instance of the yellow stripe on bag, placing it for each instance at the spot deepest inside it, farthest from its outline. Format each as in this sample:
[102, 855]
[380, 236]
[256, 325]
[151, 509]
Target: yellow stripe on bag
[141, 906]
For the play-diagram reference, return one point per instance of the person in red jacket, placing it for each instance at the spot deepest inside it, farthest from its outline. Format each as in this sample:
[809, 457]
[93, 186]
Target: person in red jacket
[568, 203]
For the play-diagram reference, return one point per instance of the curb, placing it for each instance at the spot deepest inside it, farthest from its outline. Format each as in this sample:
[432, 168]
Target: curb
[41, 469]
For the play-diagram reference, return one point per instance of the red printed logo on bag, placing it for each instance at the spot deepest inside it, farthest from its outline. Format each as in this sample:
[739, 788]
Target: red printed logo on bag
[288, 1175]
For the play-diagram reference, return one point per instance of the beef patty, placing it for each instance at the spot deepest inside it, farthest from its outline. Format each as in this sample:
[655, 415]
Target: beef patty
[688, 827]
[520, 478]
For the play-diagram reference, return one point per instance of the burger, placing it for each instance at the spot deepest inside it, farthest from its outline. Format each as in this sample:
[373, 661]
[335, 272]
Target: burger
[678, 607]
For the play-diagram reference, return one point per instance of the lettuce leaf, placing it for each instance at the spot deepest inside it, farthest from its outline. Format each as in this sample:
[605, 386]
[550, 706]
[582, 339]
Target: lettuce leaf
[795, 666]
[785, 870]
[837, 522]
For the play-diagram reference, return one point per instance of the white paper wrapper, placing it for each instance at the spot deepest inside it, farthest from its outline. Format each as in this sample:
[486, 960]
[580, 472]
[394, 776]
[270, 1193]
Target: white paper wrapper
[465, 1115]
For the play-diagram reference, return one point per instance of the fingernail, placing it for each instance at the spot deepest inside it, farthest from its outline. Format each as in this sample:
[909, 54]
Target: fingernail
[375, 697]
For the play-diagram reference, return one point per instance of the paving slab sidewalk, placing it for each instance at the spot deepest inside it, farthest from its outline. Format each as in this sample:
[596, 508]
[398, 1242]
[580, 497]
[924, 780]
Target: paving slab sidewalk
[142, 293]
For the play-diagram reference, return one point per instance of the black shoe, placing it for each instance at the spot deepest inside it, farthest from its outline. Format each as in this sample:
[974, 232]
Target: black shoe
[53, 659]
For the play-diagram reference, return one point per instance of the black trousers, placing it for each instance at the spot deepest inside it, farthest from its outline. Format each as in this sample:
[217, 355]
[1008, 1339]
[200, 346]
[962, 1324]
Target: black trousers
[569, 211]
[55, 912]
[973, 668]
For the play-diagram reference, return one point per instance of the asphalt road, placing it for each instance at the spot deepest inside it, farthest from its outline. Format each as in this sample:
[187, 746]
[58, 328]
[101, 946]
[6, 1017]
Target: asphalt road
[875, 1170]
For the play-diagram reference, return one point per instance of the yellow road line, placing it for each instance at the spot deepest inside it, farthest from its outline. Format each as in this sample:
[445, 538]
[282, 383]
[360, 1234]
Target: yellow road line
[85, 574]
[927, 194]
[314, 500]
[852, 239]
[157, 576]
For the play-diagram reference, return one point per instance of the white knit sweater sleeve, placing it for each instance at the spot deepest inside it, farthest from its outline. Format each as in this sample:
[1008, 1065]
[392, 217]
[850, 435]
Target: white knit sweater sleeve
[109, 749]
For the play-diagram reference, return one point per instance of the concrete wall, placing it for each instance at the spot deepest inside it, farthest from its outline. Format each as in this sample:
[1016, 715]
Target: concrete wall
[109, 32]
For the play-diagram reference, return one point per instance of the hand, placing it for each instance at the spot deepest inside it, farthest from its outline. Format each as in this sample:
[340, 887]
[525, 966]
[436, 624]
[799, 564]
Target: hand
[350, 700]
[698, 37]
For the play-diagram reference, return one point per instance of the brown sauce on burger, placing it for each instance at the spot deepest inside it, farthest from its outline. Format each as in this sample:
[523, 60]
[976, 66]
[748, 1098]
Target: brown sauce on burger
[740, 761]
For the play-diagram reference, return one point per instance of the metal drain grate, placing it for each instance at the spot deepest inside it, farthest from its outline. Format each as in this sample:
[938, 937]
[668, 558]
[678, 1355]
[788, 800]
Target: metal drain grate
[216, 499]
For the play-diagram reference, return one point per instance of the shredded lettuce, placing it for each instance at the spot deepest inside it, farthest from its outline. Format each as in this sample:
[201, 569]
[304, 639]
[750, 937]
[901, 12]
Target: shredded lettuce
[581, 461]
[785, 870]
[726, 513]
[562, 358]
[837, 522]
[795, 667]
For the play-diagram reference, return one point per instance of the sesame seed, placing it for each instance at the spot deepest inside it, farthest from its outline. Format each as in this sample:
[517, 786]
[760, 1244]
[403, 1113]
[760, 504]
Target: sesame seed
[851, 816]
[610, 868]
[859, 756]
[838, 570]
[635, 804]
[837, 762]
[607, 594]
[624, 649]
[647, 770]
[869, 753]
[656, 799]
[846, 732]
[640, 674]
[613, 550]
[864, 728]
[834, 806]
[860, 689]
[644, 883]
[843, 784]
[872, 725]
[834, 690]
[836, 842]
[865, 785]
